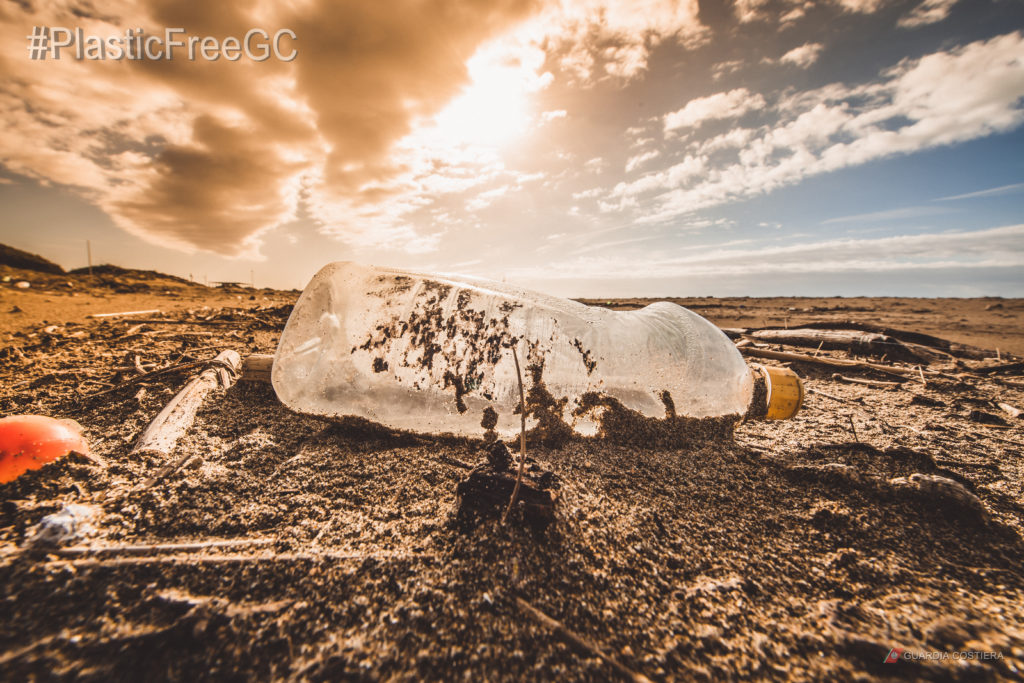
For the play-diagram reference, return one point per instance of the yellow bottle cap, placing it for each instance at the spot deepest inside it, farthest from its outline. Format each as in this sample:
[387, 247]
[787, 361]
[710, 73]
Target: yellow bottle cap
[785, 392]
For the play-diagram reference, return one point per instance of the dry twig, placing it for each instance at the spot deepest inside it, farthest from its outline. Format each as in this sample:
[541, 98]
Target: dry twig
[866, 382]
[157, 548]
[579, 641]
[522, 438]
[831, 362]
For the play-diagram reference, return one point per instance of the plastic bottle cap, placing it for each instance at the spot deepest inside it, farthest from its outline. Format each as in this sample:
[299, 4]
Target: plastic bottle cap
[785, 392]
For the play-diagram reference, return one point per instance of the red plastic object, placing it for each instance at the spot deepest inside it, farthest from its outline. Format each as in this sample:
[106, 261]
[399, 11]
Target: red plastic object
[27, 442]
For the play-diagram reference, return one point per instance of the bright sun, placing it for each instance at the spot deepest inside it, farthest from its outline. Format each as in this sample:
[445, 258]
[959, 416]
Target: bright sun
[494, 109]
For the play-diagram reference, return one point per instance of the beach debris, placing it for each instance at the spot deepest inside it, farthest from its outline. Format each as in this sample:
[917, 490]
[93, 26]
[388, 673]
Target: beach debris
[878, 384]
[1010, 410]
[72, 523]
[922, 400]
[853, 427]
[832, 362]
[124, 313]
[27, 442]
[584, 645]
[981, 417]
[157, 548]
[942, 490]
[22, 284]
[430, 353]
[178, 415]
[1015, 368]
[835, 473]
[257, 368]
[857, 342]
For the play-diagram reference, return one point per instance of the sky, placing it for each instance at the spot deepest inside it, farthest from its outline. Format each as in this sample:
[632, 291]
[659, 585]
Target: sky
[586, 148]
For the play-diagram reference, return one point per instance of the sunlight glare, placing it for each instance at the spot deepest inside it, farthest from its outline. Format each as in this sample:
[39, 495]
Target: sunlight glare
[495, 108]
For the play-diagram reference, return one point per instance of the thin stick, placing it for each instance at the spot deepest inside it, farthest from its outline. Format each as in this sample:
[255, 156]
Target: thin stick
[167, 470]
[580, 642]
[522, 438]
[999, 438]
[124, 313]
[152, 375]
[176, 321]
[853, 427]
[157, 548]
[834, 398]
[866, 382]
[831, 362]
[235, 559]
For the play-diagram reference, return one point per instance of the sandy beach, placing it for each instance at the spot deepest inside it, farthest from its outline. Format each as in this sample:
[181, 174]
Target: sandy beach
[278, 545]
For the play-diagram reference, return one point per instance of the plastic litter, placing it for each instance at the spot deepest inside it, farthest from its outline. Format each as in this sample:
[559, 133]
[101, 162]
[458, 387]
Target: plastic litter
[27, 442]
[72, 523]
[433, 353]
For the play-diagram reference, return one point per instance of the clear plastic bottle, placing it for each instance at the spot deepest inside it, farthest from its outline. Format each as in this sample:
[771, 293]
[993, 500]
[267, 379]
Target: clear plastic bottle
[432, 353]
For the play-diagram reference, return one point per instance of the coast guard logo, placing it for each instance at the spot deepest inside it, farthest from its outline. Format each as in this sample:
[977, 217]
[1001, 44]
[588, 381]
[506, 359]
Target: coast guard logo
[894, 655]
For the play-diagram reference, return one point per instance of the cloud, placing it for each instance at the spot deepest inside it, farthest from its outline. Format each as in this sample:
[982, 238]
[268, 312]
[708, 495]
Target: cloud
[211, 155]
[485, 199]
[723, 105]
[787, 11]
[635, 162]
[726, 68]
[675, 175]
[1001, 247]
[553, 115]
[891, 214]
[386, 111]
[991, 192]
[592, 41]
[940, 99]
[803, 56]
[928, 12]
[861, 6]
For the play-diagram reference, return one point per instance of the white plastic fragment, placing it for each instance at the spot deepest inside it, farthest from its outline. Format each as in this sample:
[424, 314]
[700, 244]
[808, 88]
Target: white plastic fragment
[72, 523]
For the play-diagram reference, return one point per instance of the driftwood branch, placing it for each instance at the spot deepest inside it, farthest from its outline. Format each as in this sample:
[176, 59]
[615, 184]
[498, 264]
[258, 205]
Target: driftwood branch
[178, 415]
[581, 643]
[832, 362]
[916, 341]
[854, 341]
